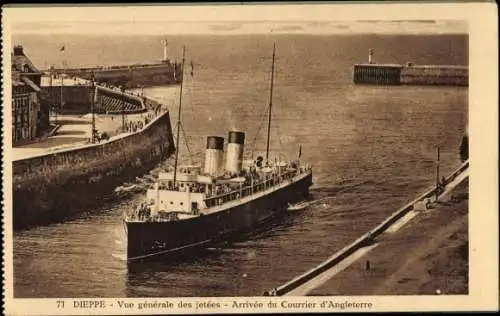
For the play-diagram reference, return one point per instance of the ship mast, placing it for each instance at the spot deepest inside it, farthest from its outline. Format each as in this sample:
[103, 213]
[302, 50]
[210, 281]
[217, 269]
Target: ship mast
[179, 116]
[270, 106]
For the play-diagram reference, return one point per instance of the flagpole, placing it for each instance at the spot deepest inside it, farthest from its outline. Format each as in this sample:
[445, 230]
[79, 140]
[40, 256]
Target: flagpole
[51, 89]
[123, 108]
[92, 96]
[62, 85]
[437, 174]
[62, 80]
[298, 159]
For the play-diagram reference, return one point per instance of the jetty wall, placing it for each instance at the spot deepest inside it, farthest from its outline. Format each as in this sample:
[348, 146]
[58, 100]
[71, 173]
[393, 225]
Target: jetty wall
[55, 186]
[112, 101]
[377, 74]
[396, 74]
[366, 239]
[130, 76]
[435, 75]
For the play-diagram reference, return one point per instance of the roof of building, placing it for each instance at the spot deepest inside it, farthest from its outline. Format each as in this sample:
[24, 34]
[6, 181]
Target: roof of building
[19, 61]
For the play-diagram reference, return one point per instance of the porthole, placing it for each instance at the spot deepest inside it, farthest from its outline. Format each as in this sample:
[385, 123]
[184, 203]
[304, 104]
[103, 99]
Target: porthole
[182, 203]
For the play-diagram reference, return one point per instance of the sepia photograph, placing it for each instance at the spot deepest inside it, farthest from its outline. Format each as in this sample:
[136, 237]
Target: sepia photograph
[249, 158]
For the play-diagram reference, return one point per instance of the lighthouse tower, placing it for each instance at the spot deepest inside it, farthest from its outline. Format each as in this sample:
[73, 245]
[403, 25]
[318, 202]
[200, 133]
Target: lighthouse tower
[164, 42]
[370, 56]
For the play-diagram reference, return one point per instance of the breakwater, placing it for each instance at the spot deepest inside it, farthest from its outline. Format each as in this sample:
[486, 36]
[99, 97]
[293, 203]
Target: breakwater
[111, 101]
[129, 76]
[57, 185]
[409, 74]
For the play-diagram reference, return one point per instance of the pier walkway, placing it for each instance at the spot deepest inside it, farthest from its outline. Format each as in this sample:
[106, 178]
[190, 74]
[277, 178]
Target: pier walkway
[429, 255]
[422, 252]
[74, 131]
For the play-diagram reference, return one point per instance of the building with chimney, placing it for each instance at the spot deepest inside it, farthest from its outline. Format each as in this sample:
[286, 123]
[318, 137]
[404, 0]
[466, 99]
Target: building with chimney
[30, 110]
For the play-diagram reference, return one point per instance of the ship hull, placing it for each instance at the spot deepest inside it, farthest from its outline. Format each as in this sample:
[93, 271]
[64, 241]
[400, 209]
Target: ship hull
[173, 240]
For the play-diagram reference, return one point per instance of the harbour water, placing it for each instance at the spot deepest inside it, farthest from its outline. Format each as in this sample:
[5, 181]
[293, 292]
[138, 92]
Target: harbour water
[372, 148]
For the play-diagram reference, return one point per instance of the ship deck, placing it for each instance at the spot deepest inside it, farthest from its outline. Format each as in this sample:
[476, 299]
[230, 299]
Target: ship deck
[234, 203]
[251, 197]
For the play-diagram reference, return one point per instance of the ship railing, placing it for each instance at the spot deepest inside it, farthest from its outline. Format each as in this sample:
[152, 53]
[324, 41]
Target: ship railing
[144, 214]
[251, 189]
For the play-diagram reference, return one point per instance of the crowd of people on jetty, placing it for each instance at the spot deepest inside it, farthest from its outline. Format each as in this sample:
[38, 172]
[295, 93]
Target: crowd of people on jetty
[121, 90]
[132, 125]
[136, 124]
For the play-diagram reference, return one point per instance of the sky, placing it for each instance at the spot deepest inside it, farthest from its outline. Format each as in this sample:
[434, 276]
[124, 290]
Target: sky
[235, 19]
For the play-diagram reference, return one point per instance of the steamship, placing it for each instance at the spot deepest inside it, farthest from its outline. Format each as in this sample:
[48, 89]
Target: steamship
[188, 208]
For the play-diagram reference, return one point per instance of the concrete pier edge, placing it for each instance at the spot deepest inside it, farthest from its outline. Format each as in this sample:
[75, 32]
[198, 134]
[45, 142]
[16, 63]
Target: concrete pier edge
[364, 240]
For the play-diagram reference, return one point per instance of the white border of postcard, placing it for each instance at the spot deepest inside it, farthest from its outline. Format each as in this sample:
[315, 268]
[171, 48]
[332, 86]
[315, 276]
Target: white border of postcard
[483, 121]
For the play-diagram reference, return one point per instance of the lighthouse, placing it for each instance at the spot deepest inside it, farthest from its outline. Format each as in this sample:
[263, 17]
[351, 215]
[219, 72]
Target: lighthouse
[370, 56]
[164, 42]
